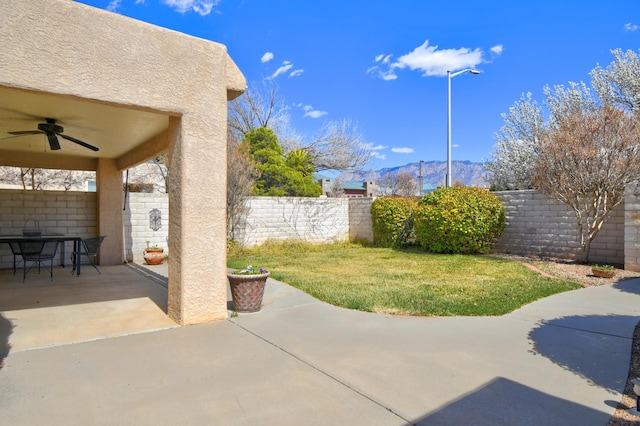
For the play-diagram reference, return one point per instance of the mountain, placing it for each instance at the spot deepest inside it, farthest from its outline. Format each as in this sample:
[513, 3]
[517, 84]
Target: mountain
[433, 172]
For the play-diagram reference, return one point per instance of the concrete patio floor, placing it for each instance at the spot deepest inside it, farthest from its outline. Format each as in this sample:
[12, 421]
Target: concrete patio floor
[123, 300]
[562, 360]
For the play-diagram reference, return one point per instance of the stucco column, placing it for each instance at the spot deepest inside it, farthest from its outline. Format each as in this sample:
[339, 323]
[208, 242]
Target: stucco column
[110, 199]
[197, 217]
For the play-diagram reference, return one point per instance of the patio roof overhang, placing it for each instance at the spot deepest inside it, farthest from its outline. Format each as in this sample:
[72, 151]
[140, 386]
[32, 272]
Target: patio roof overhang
[129, 136]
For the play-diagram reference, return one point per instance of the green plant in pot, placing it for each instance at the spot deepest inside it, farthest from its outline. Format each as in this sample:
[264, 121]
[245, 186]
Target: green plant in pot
[604, 271]
[247, 288]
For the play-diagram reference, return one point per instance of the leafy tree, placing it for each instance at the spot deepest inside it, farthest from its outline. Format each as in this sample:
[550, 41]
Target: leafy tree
[586, 157]
[280, 175]
[619, 83]
[585, 153]
[514, 155]
[301, 161]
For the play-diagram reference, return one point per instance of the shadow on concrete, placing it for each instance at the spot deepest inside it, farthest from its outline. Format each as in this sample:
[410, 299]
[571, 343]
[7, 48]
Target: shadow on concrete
[579, 343]
[628, 286]
[505, 402]
[6, 328]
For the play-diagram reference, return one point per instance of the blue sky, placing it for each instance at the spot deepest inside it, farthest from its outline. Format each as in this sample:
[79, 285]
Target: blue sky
[382, 64]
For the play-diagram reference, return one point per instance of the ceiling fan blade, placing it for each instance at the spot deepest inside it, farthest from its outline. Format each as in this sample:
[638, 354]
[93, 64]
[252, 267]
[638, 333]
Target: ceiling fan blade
[53, 141]
[10, 137]
[26, 132]
[79, 142]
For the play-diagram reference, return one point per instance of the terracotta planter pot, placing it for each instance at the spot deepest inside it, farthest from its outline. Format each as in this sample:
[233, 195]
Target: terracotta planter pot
[247, 291]
[602, 273]
[154, 256]
[154, 250]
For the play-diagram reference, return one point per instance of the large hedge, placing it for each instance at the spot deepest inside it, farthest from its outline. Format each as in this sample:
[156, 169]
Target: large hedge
[392, 219]
[459, 220]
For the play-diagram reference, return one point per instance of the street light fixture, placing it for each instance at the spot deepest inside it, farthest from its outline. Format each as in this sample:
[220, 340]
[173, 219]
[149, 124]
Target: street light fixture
[449, 77]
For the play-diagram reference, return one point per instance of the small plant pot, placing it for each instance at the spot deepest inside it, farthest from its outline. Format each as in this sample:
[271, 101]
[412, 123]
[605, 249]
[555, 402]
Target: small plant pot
[602, 273]
[154, 256]
[247, 291]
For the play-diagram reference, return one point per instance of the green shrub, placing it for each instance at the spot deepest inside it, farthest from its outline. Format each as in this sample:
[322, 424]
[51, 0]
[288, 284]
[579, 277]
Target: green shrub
[392, 219]
[459, 220]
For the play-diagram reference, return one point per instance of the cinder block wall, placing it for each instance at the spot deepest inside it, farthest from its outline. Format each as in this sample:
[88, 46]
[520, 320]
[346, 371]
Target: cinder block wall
[62, 212]
[138, 231]
[317, 220]
[360, 224]
[539, 225]
[632, 228]
[536, 225]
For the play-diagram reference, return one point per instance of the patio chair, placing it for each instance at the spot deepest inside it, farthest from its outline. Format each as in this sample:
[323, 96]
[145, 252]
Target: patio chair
[17, 258]
[88, 247]
[37, 252]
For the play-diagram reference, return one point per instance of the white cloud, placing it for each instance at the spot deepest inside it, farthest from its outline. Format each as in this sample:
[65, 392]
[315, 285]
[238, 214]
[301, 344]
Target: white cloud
[630, 27]
[369, 146]
[201, 7]
[296, 73]
[402, 150]
[385, 74]
[266, 57]
[497, 50]
[383, 58]
[114, 5]
[285, 67]
[374, 150]
[313, 113]
[430, 60]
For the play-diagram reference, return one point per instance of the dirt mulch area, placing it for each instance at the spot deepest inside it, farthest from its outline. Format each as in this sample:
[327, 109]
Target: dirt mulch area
[581, 273]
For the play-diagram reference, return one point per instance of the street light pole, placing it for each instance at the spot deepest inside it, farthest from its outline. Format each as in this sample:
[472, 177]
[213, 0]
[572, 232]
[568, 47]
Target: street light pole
[449, 77]
[420, 192]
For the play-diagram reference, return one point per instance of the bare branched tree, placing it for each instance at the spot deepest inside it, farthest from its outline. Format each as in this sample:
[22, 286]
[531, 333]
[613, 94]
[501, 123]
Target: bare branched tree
[398, 183]
[42, 179]
[162, 165]
[241, 177]
[586, 156]
[260, 106]
[339, 146]
[337, 189]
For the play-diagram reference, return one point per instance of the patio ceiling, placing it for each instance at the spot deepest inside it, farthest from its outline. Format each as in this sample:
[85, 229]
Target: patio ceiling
[115, 130]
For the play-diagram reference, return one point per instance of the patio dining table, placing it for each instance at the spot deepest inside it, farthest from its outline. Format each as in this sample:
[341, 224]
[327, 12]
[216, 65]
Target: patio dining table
[60, 238]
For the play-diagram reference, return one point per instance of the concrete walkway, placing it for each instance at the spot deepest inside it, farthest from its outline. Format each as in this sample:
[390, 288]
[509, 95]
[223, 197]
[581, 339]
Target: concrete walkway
[560, 361]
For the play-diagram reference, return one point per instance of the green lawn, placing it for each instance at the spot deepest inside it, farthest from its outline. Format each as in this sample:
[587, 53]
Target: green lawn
[402, 282]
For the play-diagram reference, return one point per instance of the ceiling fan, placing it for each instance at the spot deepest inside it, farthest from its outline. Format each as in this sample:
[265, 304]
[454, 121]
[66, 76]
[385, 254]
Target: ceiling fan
[52, 130]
